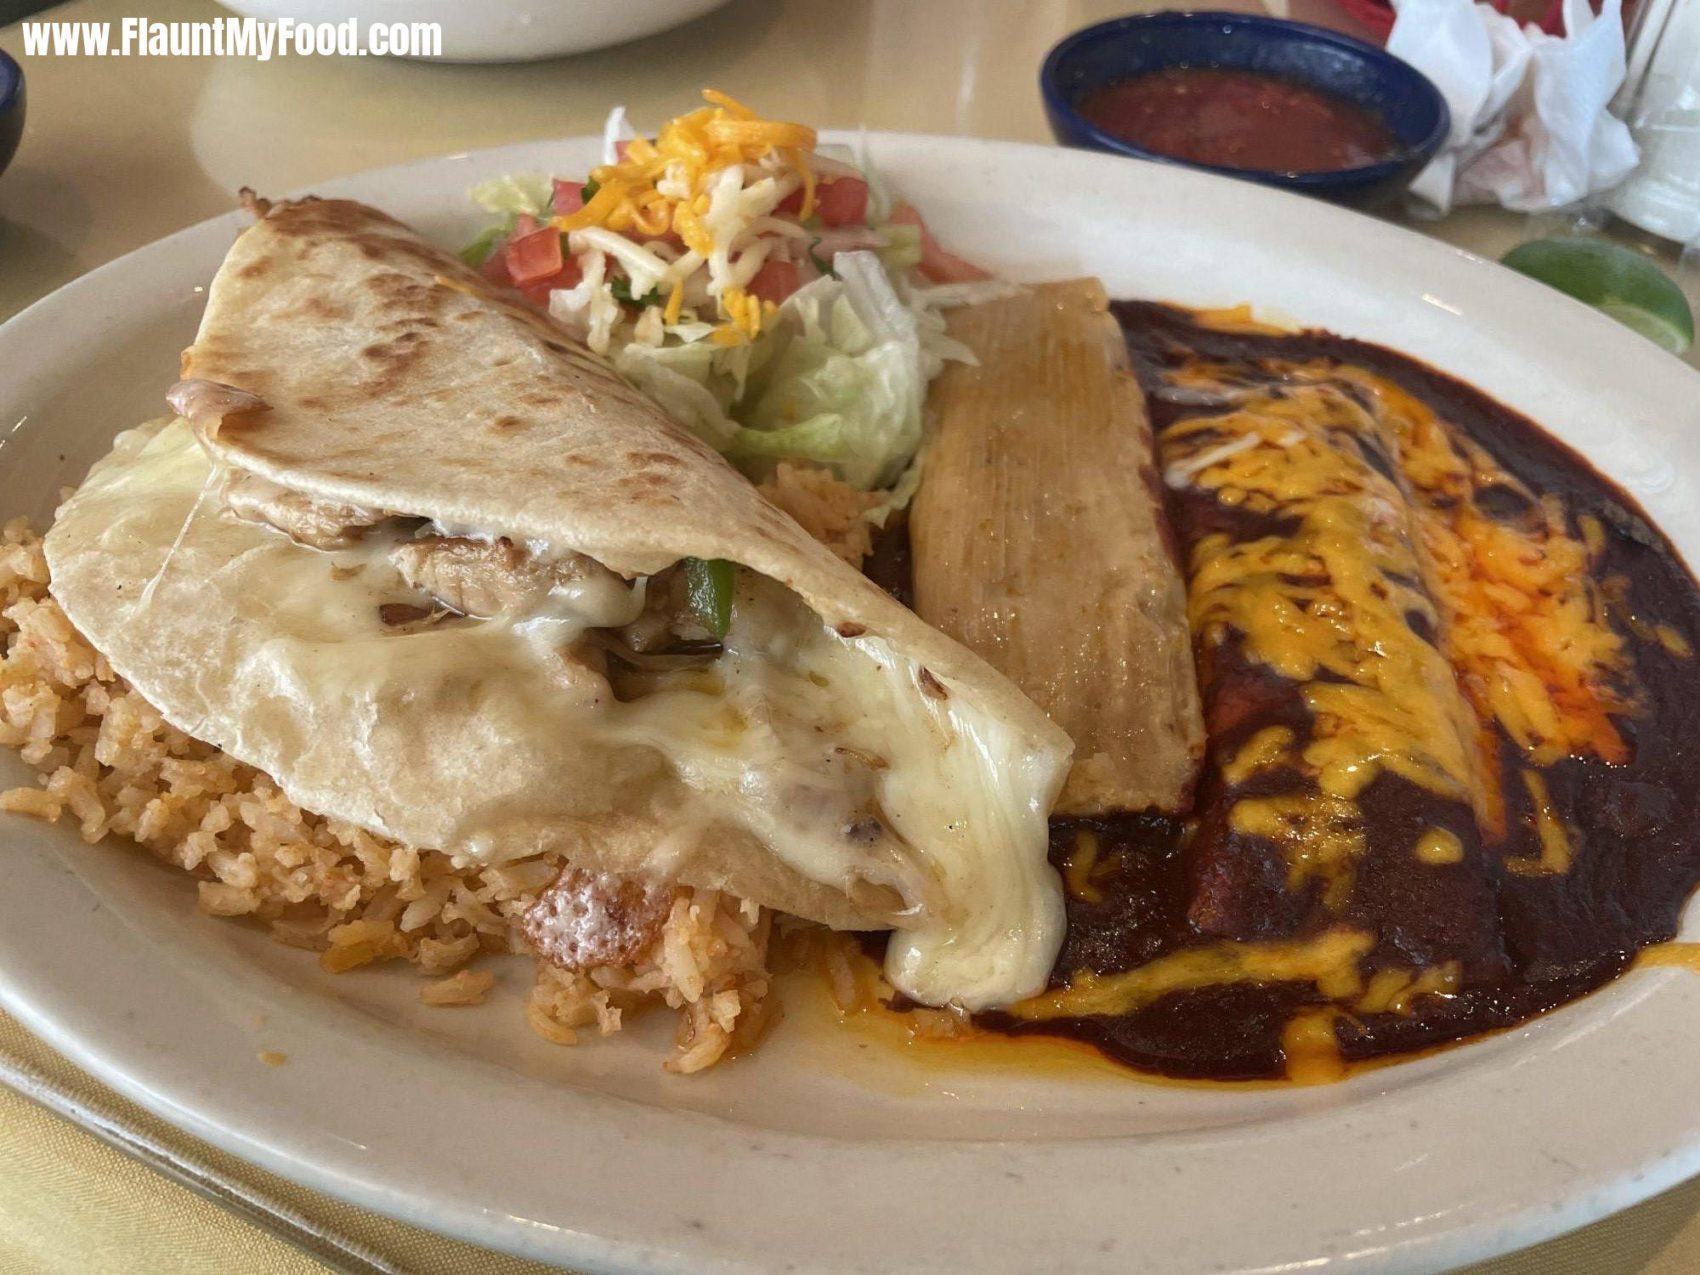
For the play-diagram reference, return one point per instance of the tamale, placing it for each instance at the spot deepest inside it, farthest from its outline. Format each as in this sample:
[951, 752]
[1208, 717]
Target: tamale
[1039, 542]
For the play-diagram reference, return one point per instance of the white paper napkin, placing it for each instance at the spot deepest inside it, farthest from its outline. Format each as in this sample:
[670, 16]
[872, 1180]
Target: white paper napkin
[1530, 130]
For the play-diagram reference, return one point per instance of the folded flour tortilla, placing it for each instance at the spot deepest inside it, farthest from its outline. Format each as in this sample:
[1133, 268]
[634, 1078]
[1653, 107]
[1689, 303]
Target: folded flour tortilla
[356, 398]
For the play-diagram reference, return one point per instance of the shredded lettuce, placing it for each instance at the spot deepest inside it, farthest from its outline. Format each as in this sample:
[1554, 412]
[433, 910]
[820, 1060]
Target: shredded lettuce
[679, 377]
[898, 495]
[902, 249]
[478, 251]
[837, 377]
[846, 389]
[512, 196]
[509, 197]
[615, 129]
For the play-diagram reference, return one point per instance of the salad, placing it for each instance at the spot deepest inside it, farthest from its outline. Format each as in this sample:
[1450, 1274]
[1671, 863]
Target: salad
[765, 290]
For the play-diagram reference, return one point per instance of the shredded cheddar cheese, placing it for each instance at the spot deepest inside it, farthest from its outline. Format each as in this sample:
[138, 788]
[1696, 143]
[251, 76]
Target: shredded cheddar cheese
[1312, 1048]
[1335, 603]
[1412, 618]
[1270, 747]
[1321, 837]
[1396, 991]
[1079, 865]
[1678, 954]
[746, 314]
[1550, 830]
[1239, 318]
[1673, 641]
[1526, 621]
[1440, 845]
[681, 183]
[456, 285]
[1330, 961]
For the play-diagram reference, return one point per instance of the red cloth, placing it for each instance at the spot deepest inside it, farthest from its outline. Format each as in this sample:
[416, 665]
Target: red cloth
[1377, 15]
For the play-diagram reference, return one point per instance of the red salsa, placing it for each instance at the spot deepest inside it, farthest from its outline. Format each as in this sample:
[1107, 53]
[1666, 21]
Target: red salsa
[1239, 119]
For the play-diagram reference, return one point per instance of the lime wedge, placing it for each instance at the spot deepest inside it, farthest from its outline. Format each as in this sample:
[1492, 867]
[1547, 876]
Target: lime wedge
[1615, 280]
[1675, 337]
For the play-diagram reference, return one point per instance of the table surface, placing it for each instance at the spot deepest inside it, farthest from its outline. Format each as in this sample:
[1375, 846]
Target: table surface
[119, 152]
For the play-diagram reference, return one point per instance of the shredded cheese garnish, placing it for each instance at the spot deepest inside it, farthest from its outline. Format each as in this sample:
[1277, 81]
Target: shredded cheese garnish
[1312, 1048]
[1078, 868]
[1439, 845]
[1550, 830]
[1396, 991]
[1413, 615]
[799, 160]
[1329, 961]
[1270, 747]
[746, 314]
[703, 179]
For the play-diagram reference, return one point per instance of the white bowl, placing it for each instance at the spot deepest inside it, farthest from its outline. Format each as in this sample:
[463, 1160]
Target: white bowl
[499, 30]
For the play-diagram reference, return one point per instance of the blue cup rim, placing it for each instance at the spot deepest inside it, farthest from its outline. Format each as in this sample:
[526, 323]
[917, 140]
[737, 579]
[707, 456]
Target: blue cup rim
[11, 81]
[1361, 175]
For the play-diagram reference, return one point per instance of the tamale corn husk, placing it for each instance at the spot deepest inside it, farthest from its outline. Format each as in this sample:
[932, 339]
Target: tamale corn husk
[1040, 542]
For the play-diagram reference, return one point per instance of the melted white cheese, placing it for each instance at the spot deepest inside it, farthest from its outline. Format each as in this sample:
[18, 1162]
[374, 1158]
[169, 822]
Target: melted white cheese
[845, 759]
[784, 744]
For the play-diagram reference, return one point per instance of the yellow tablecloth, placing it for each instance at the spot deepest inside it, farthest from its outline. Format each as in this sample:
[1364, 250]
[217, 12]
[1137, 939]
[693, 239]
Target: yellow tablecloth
[72, 1205]
[120, 152]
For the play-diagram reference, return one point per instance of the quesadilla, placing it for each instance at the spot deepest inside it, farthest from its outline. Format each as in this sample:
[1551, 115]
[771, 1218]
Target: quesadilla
[413, 552]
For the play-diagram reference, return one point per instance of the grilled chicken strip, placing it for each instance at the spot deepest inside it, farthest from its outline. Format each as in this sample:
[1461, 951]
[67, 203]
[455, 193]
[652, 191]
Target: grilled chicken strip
[485, 578]
[305, 520]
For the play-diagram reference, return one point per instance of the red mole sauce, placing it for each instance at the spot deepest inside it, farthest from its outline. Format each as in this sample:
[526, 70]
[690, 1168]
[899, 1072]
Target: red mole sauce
[1280, 930]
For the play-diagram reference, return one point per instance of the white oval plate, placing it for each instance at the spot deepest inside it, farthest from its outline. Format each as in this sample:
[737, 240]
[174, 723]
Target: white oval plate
[829, 1149]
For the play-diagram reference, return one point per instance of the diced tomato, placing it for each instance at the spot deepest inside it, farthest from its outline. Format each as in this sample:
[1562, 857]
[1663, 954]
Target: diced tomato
[525, 224]
[569, 197]
[842, 202]
[936, 264]
[792, 203]
[775, 281]
[495, 269]
[535, 256]
[567, 277]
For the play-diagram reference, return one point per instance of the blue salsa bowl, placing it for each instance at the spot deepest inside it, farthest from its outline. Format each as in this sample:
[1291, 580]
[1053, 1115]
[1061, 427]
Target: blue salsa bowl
[1122, 48]
[11, 108]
